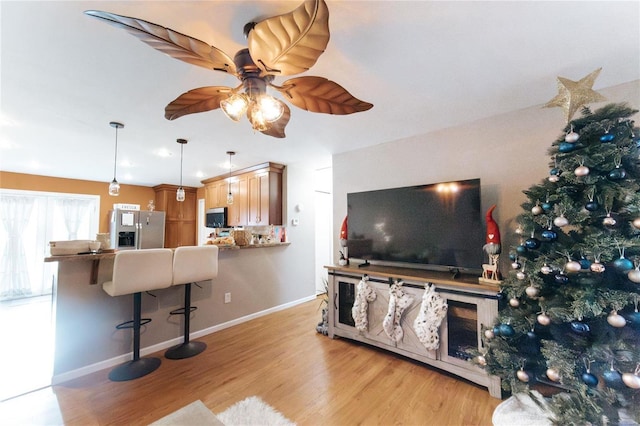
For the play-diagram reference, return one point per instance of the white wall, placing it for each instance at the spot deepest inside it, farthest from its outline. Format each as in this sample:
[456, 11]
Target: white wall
[507, 152]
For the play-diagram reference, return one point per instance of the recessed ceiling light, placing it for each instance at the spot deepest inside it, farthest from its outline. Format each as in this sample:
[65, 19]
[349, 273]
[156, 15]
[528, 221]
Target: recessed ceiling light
[164, 152]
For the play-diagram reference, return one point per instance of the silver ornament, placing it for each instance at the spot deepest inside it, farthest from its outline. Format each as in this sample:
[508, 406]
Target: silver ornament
[616, 320]
[560, 221]
[631, 380]
[514, 303]
[532, 291]
[546, 269]
[489, 334]
[523, 376]
[516, 265]
[597, 267]
[553, 374]
[636, 223]
[543, 319]
[536, 210]
[554, 178]
[581, 171]
[481, 360]
[634, 275]
[521, 275]
[609, 221]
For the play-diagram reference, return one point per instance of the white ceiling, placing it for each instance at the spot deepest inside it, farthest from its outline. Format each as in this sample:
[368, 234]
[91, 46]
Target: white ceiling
[424, 65]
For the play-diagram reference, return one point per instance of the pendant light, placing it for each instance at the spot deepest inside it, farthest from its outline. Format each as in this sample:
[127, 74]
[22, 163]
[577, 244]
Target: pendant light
[114, 186]
[180, 191]
[229, 194]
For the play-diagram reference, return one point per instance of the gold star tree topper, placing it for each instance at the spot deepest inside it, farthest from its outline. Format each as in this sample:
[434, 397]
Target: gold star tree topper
[574, 94]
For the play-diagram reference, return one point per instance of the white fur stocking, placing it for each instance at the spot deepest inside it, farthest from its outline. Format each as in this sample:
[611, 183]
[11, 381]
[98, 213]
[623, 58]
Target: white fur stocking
[427, 323]
[398, 302]
[364, 295]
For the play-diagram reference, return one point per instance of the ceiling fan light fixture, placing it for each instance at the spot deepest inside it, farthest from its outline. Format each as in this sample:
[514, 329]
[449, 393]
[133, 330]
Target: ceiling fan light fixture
[271, 108]
[257, 118]
[235, 106]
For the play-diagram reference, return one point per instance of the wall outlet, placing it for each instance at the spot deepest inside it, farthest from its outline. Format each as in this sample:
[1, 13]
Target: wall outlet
[227, 298]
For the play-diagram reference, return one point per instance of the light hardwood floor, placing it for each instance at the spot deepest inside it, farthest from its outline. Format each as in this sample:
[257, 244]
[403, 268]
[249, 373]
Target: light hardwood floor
[309, 378]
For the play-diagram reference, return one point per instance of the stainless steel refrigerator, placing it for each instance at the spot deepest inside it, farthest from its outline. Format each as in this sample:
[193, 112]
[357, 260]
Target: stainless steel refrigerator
[136, 229]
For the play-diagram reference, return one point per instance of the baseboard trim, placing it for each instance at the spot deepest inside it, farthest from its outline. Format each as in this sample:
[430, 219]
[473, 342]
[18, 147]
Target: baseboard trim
[112, 362]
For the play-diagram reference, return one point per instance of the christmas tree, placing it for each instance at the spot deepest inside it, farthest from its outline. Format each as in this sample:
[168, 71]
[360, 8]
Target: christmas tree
[570, 320]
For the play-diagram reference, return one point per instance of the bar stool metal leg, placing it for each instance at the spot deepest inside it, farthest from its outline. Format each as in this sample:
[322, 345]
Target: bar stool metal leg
[186, 349]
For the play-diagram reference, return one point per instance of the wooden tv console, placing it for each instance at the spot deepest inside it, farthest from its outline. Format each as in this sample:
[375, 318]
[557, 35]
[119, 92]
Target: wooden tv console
[470, 306]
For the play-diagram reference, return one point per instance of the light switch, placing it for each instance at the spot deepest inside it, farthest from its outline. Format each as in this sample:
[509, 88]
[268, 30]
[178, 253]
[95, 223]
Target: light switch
[295, 222]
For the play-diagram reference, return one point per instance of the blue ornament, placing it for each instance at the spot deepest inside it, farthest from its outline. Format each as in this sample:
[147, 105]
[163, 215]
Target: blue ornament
[555, 171]
[585, 263]
[532, 243]
[531, 335]
[589, 379]
[521, 249]
[506, 330]
[592, 206]
[549, 235]
[496, 330]
[613, 379]
[566, 147]
[546, 206]
[607, 137]
[561, 278]
[617, 174]
[580, 328]
[633, 320]
[512, 256]
[623, 264]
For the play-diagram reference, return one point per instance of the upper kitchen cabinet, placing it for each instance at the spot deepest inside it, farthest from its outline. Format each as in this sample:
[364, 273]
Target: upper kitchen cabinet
[180, 217]
[257, 195]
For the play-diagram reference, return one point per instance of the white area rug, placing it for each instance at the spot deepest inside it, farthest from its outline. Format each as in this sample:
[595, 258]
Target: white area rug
[251, 411]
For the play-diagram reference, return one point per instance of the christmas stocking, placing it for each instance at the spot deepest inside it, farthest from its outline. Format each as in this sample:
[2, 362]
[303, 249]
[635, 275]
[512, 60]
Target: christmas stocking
[364, 295]
[432, 312]
[398, 302]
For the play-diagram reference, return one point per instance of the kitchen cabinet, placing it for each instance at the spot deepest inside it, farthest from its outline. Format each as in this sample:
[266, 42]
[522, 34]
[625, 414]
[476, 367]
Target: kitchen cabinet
[180, 219]
[471, 306]
[257, 195]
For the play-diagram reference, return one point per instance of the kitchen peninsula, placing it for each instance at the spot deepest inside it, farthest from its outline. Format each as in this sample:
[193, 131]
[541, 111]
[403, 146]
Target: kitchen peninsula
[85, 316]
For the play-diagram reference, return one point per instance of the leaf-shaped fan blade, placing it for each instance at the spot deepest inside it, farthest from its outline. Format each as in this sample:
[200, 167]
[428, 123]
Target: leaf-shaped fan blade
[170, 42]
[196, 100]
[291, 43]
[277, 127]
[317, 94]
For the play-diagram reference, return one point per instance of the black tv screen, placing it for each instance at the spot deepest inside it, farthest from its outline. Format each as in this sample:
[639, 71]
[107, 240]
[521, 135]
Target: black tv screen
[436, 226]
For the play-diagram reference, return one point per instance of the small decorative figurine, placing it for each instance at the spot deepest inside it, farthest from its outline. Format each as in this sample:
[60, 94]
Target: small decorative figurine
[491, 271]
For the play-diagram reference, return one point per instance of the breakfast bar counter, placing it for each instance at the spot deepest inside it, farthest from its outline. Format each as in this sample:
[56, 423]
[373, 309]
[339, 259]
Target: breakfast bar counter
[85, 316]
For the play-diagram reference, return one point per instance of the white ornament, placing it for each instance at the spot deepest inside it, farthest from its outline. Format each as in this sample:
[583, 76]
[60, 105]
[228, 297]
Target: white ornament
[522, 376]
[543, 319]
[631, 380]
[560, 221]
[554, 178]
[516, 265]
[571, 137]
[581, 171]
[481, 360]
[536, 210]
[546, 269]
[616, 320]
[597, 267]
[519, 230]
[636, 222]
[514, 303]
[634, 275]
[521, 275]
[553, 374]
[608, 220]
[489, 334]
[532, 291]
[572, 266]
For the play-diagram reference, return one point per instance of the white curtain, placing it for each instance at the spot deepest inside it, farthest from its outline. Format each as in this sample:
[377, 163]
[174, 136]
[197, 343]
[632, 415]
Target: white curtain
[75, 212]
[14, 271]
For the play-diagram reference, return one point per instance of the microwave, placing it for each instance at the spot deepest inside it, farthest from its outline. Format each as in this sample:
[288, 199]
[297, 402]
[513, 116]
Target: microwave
[216, 218]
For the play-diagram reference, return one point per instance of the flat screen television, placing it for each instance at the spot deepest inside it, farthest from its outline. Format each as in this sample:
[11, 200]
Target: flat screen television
[437, 226]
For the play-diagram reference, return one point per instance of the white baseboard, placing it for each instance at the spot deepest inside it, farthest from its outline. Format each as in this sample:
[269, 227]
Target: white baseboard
[112, 362]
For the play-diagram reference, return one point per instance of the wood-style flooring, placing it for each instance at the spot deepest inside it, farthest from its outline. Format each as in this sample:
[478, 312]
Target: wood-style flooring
[309, 378]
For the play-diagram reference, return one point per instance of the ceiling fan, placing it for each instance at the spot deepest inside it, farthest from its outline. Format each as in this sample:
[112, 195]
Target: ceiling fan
[282, 45]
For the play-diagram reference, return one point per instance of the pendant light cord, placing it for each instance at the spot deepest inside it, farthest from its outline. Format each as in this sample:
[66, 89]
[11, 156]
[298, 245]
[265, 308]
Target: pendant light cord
[181, 148]
[115, 157]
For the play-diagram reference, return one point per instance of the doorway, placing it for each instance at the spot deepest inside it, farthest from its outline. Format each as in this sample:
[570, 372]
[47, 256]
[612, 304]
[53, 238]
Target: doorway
[29, 221]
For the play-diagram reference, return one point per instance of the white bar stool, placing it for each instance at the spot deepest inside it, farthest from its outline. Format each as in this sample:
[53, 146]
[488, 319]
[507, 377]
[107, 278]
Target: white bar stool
[191, 264]
[135, 271]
